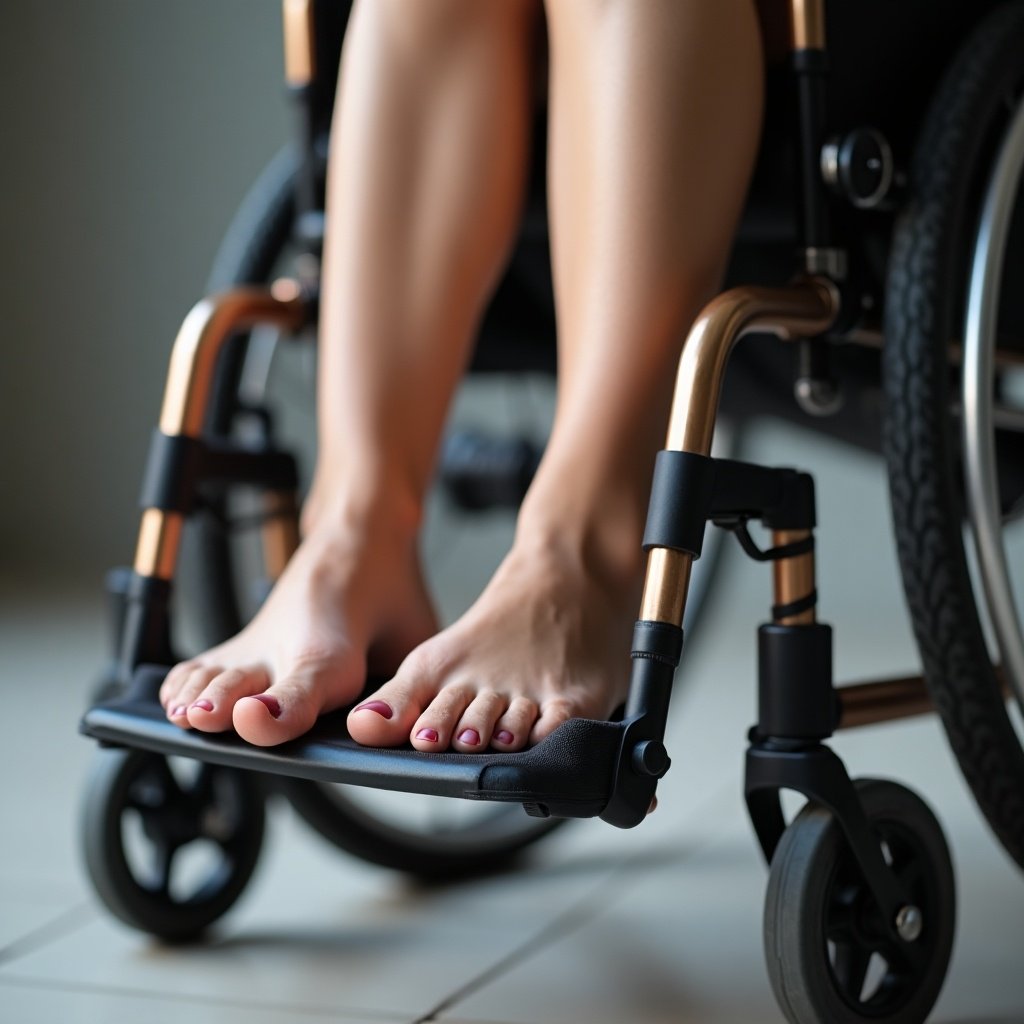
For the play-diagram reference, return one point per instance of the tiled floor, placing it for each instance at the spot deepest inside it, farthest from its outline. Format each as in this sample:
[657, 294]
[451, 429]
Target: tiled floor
[654, 926]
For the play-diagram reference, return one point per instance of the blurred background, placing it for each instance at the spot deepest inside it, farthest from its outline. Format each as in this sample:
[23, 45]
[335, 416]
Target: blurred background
[130, 131]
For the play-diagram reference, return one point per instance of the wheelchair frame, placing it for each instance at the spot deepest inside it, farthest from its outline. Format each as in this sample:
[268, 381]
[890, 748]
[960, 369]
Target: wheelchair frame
[610, 769]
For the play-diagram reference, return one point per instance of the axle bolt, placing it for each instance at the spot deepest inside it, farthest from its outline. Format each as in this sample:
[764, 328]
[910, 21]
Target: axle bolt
[909, 923]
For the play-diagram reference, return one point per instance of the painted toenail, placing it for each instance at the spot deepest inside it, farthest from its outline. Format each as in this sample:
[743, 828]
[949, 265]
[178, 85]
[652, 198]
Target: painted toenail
[381, 707]
[203, 705]
[470, 737]
[504, 736]
[430, 735]
[179, 710]
[272, 703]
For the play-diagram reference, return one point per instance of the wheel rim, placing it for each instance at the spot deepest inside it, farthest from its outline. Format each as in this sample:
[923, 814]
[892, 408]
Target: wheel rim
[172, 817]
[873, 972]
[977, 382]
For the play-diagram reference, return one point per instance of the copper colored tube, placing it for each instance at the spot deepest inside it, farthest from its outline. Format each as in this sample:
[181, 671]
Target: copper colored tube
[156, 552]
[299, 51]
[193, 360]
[886, 700]
[808, 24]
[883, 701]
[799, 310]
[208, 325]
[793, 578]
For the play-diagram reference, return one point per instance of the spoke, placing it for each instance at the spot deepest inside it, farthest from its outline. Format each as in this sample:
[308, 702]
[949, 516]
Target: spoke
[910, 957]
[851, 967]
[163, 861]
[154, 789]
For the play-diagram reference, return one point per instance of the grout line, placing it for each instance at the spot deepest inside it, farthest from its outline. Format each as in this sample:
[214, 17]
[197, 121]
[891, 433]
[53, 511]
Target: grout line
[568, 921]
[48, 984]
[57, 927]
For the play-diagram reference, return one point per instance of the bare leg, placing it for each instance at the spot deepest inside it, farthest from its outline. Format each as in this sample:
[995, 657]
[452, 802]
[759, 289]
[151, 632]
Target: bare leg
[656, 111]
[425, 185]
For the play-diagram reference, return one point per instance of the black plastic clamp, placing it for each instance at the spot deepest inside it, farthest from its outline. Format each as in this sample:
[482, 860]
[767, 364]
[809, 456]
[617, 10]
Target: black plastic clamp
[690, 489]
[178, 464]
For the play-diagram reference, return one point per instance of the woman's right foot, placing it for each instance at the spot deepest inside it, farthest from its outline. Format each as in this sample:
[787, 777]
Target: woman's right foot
[353, 595]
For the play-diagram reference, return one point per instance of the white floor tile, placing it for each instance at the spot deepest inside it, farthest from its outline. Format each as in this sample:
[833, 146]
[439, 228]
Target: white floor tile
[29, 1003]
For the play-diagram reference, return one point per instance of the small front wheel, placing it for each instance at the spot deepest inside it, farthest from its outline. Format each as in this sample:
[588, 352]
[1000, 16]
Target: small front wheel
[169, 846]
[830, 955]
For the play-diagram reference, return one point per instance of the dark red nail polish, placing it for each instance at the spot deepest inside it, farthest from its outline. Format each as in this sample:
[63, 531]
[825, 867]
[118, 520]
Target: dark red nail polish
[470, 737]
[272, 703]
[430, 735]
[504, 736]
[381, 707]
[179, 710]
[203, 705]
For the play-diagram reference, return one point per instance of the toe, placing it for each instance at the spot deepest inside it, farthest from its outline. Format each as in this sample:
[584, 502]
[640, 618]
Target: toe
[473, 731]
[291, 707]
[434, 729]
[171, 685]
[512, 729]
[386, 717]
[194, 683]
[212, 708]
[552, 714]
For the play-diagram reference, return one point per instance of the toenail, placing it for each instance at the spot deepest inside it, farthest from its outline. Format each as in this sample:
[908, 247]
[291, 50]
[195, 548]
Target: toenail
[470, 737]
[203, 705]
[504, 736]
[179, 710]
[380, 707]
[430, 735]
[272, 703]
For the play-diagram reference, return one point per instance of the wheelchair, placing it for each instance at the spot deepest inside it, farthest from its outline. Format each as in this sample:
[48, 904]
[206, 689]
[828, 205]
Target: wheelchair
[872, 277]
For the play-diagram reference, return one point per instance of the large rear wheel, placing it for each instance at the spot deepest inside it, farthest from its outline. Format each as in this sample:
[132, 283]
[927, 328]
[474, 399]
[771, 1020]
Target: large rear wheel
[953, 440]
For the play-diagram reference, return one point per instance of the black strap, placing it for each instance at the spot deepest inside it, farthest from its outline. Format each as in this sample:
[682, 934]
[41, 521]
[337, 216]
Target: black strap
[798, 547]
[802, 604]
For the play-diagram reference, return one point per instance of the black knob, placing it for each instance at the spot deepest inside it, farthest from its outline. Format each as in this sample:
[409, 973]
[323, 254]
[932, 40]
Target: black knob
[650, 758]
[859, 166]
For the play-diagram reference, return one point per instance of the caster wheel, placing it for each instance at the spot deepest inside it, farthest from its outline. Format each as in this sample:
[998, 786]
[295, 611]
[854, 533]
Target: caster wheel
[169, 846]
[830, 955]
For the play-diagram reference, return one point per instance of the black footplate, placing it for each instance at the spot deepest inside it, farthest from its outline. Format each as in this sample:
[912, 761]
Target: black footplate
[570, 774]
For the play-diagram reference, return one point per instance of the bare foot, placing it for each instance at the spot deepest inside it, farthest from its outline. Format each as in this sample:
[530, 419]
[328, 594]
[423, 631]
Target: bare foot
[352, 595]
[548, 640]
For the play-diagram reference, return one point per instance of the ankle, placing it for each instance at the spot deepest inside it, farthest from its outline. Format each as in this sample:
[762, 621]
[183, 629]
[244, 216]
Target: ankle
[391, 512]
[364, 495]
[603, 548]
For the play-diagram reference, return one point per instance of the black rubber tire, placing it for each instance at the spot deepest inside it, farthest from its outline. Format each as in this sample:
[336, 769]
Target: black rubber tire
[814, 879]
[924, 308]
[230, 812]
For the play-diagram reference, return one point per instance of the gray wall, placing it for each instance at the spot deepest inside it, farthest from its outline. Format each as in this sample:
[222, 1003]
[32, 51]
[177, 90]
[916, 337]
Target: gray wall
[129, 130]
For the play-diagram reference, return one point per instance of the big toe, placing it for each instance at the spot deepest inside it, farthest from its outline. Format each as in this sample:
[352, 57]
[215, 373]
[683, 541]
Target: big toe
[384, 718]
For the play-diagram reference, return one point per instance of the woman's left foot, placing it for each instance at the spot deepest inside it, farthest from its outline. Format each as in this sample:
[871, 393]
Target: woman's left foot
[548, 640]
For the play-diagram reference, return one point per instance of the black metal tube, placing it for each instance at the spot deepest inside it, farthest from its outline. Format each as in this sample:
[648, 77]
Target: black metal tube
[810, 68]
